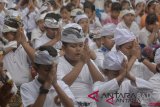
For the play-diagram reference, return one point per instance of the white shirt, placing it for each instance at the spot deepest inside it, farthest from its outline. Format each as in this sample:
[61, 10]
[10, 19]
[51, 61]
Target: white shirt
[36, 33]
[82, 86]
[112, 86]
[133, 28]
[141, 71]
[29, 20]
[17, 65]
[44, 39]
[155, 82]
[144, 36]
[30, 92]
[96, 24]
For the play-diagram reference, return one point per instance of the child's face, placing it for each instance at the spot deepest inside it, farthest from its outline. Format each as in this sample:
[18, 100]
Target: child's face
[108, 42]
[115, 14]
[84, 23]
[128, 19]
[52, 32]
[41, 25]
[65, 14]
[73, 51]
[98, 42]
[140, 6]
[2, 5]
[10, 36]
[152, 8]
[108, 8]
[88, 12]
[126, 6]
[150, 27]
[126, 49]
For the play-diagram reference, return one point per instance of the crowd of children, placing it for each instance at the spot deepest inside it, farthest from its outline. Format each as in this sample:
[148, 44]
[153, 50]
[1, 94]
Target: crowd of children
[79, 53]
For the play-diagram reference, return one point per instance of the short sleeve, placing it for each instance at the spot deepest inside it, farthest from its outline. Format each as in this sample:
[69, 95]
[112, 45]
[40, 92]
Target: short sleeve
[26, 95]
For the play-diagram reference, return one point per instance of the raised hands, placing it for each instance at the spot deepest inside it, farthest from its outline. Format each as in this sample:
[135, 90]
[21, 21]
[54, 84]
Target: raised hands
[136, 50]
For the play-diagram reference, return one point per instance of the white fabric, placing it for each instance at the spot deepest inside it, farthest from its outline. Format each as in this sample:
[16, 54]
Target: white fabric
[12, 44]
[40, 17]
[8, 29]
[76, 11]
[51, 23]
[139, 1]
[30, 92]
[125, 12]
[108, 30]
[3, 1]
[44, 39]
[133, 28]
[82, 86]
[144, 37]
[36, 33]
[125, 87]
[71, 35]
[122, 36]
[155, 82]
[29, 19]
[95, 25]
[141, 71]
[17, 65]
[157, 56]
[43, 57]
[79, 17]
[113, 60]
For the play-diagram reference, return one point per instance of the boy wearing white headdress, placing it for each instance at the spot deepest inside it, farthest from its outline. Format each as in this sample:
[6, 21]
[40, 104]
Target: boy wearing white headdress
[42, 91]
[116, 86]
[76, 67]
[15, 60]
[107, 35]
[126, 43]
[39, 30]
[52, 35]
[127, 21]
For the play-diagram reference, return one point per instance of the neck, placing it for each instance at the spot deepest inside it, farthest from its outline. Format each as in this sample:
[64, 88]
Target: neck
[72, 62]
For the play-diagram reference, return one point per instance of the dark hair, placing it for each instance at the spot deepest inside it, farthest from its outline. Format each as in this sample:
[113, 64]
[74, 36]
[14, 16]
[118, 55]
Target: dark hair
[150, 3]
[89, 5]
[52, 15]
[124, 2]
[71, 5]
[64, 43]
[107, 3]
[65, 8]
[52, 51]
[151, 19]
[116, 6]
[11, 22]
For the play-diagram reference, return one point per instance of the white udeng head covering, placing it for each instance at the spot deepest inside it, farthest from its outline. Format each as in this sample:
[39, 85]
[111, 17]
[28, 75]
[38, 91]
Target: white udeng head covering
[77, 11]
[140, 1]
[96, 34]
[122, 36]
[3, 1]
[108, 30]
[51, 23]
[113, 60]
[8, 29]
[72, 33]
[43, 57]
[40, 17]
[157, 56]
[79, 17]
[125, 12]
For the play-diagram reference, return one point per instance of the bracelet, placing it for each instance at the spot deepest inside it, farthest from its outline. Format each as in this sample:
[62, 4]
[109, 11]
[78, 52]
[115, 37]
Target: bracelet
[43, 90]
